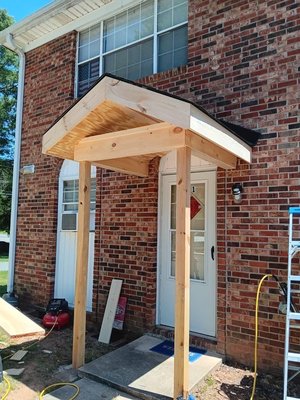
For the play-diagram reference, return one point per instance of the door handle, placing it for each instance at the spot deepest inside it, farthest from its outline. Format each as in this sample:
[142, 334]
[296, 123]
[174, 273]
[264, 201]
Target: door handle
[212, 252]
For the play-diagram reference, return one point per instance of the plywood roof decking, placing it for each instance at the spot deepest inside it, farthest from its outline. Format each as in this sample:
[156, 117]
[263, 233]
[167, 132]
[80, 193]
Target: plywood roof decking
[104, 118]
[15, 323]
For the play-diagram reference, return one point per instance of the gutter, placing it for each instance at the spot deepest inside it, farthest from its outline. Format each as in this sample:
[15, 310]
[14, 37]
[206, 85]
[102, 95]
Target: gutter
[16, 170]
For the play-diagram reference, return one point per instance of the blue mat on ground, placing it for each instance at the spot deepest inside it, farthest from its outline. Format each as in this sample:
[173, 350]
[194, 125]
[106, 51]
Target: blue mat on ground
[167, 348]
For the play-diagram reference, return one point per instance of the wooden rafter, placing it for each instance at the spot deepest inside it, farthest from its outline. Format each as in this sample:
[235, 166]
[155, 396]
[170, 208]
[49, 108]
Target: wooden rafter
[209, 151]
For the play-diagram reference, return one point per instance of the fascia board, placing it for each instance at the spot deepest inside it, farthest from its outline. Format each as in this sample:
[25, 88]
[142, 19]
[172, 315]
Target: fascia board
[209, 128]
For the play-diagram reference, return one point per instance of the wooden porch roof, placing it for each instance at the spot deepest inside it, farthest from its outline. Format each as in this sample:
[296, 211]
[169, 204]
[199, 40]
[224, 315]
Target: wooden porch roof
[121, 125]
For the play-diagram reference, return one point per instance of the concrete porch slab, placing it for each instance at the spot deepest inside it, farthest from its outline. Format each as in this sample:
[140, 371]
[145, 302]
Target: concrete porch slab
[143, 373]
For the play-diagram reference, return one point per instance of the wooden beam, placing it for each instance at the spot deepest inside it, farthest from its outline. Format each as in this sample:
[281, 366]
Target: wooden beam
[150, 139]
[182, 273]
[209, 151]
[128, 165]
[78, 356]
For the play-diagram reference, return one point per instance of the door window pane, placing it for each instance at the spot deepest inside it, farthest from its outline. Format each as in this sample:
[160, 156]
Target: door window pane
[197, 255]
[70, 204]
[68, 222]
[197, 243]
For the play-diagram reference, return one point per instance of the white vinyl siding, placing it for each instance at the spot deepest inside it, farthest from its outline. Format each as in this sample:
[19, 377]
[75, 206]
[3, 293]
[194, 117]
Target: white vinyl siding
[148, 38]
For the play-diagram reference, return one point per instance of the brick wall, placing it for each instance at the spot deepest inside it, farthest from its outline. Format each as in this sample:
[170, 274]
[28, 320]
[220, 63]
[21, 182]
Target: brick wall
[48, 92]
[243, 67]
[126, 243]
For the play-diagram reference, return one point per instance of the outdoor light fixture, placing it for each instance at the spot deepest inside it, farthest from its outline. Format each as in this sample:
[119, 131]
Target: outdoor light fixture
[237, 190]
[27, 169]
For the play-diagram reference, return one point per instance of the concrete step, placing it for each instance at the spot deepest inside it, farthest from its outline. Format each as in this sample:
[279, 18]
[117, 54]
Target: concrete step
[136, 370]
[89, 390]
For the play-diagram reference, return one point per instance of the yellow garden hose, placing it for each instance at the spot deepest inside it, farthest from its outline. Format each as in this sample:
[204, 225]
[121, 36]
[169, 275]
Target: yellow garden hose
[255, 355]
[8, 387]
[24, 348]
[256, 332]
[61, 384]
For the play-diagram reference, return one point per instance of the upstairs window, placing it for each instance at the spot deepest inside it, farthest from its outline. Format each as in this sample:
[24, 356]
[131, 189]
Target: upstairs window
[148, 38]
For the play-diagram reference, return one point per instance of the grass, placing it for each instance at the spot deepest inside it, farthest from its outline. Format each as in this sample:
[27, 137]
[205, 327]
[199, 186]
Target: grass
[3, 258]
[3, 282]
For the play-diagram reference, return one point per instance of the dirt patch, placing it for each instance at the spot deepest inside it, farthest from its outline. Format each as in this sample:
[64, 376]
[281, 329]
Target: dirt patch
[44, 361]
[233, 382]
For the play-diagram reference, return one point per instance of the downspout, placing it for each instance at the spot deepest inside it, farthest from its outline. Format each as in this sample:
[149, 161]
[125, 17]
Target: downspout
[15, 187]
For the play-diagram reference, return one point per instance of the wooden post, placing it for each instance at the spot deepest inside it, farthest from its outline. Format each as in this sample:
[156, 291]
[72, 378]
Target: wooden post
[78, 355]
[182, 273]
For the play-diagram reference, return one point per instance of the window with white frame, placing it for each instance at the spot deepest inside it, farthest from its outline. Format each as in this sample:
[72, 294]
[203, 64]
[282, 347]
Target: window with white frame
[70, 205]
[148, 38]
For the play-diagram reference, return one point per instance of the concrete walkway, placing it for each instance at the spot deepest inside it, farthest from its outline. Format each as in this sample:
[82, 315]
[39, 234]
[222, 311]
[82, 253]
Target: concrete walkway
[145, 374]
[89, 390]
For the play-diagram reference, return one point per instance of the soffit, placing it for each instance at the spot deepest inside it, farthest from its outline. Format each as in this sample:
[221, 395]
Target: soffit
[58, 18]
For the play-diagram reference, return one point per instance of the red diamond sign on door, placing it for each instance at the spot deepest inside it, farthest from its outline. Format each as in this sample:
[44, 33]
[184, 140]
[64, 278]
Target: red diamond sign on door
[195, 206]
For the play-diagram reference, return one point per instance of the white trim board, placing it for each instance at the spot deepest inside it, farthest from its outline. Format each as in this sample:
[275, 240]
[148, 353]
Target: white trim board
[110, 311]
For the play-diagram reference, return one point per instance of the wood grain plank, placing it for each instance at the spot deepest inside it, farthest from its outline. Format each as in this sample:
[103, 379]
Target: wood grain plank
[138, 141]
[78, 355]
[110, 311]
[182, 273]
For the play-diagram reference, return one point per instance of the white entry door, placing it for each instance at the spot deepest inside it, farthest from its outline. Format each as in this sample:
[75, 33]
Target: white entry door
[203, 253]
[67, 235]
